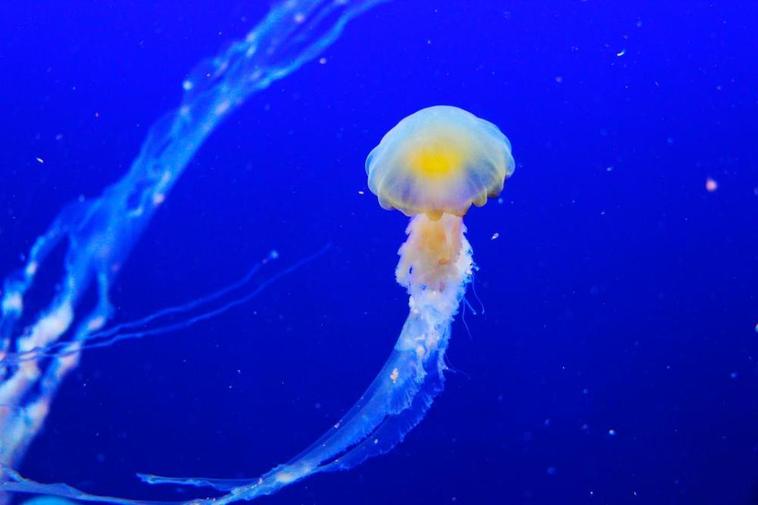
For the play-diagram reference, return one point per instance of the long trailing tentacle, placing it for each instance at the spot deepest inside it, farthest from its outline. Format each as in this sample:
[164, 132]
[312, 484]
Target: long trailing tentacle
[100, 232]
[393, 405]
[169, 319]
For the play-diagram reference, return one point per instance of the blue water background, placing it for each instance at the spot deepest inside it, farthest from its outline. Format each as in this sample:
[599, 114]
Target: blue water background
[615, 361]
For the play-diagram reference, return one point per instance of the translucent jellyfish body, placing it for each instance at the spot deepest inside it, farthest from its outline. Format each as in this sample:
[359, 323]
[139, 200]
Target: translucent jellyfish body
[432, 166]
[439, 160]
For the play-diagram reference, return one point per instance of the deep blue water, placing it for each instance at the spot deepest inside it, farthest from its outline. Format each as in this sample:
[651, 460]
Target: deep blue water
[615, 361]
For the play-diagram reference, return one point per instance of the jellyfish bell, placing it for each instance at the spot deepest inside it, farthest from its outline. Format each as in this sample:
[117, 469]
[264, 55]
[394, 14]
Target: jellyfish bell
[439, 160]
[432, 166]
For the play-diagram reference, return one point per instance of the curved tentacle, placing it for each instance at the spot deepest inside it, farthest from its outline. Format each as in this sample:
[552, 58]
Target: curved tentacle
[99, 233]
[394, 403]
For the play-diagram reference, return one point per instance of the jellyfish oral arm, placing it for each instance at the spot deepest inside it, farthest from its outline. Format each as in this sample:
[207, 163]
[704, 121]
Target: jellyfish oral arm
[435, 267]
[432, 166]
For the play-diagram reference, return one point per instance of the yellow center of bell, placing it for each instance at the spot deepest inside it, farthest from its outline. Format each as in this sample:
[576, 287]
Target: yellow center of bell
[440, 160]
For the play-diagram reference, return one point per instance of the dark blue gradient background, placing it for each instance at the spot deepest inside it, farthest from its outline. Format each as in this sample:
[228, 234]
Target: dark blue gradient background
[620, 294]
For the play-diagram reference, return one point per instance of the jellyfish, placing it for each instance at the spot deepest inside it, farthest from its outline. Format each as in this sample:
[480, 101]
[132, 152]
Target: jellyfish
[432, 166]
[39, 348]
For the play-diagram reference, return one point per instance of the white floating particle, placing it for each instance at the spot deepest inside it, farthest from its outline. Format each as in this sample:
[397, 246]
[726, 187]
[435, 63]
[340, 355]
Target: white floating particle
[495, 236]
[711, 185]
[322, 60]
[612, 432]
[621, 53]
[39, 160]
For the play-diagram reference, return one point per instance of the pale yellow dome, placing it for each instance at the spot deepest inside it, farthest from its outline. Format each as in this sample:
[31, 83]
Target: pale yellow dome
[439, 160]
